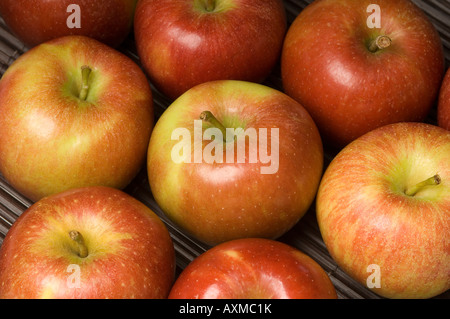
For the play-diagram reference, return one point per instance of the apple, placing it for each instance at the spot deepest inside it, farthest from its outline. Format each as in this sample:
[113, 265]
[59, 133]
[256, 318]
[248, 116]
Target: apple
[38, 21]
[353, 78]
[73, 112]
[253, 268]
[383, 209]
[184, 43]
[87, 243]
[444, 103]
[231, 159]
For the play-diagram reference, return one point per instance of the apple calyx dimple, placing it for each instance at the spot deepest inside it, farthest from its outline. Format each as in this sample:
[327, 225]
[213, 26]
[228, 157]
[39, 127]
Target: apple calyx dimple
[81, 245]
[432, 181]
[210, 5]
[381, 42]
[85, 73]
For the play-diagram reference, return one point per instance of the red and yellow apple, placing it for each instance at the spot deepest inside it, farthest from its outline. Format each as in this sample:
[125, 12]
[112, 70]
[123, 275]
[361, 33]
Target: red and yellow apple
[353, 78]
[384, 204]
[444, 103]
[184, 43]
[38, 21]
[87, 243]
[253, 268]
[73, 112]
[258, 183]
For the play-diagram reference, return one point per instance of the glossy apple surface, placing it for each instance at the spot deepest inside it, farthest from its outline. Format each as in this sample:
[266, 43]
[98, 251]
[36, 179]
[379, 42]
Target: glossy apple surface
[444, 103]
[38, 21]
[348, 89]
[371, 210]
[253, 268]
[128, 252]
[51, 139]
[236, 198]
[185, 43]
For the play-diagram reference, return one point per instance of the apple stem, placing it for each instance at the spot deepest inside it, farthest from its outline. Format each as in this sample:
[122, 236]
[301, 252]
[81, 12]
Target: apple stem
[85, 72]
[210, 5]
[381, 42]
[434, 180]
[79, 240]
[208, 117]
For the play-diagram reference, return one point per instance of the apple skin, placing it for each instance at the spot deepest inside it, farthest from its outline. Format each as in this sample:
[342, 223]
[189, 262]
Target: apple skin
[444, 103]
[38, 21]
[50, 140]
[130, 251]
[366, 218]
[216, 202]
[181, 44]
[348, 90]
[253, 268]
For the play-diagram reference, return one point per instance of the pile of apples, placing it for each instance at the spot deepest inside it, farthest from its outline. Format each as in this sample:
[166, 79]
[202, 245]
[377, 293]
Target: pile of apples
[77, 124]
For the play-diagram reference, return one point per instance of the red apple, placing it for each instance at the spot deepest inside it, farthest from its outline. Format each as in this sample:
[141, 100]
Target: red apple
[253, 268]
[383, 209]
[93, 242]
[38, 21]
[184, 43]
[444, 103]
[258, 183]
[61, 127]
[352, 78]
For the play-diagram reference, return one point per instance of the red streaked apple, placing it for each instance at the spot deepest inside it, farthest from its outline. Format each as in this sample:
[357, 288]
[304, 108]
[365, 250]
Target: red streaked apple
[258, 181]
[184, 43]
[38, 21]
[353, 78]
[253, 268]
[444, 103]
[87, 243]
[73, 112]
[384, 204]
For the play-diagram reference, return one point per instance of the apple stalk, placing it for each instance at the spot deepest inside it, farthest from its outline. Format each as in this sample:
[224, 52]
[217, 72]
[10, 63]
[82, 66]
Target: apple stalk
[208, 117]
[81, 245]
[85, 73]
[381, 42]
[432, 181]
